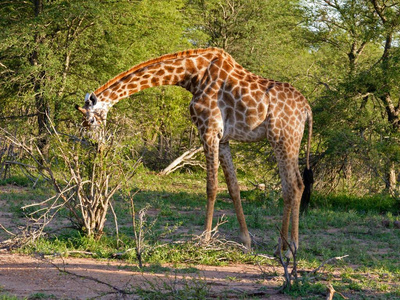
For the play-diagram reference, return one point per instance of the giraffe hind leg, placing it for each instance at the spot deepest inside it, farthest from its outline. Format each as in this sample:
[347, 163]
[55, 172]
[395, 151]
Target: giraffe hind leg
[292, 189]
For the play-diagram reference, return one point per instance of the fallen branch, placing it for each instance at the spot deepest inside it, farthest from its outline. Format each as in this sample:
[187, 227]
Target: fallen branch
[77, 252]
[26, 235]
[181, 161]
[333, 259]
[258, 186]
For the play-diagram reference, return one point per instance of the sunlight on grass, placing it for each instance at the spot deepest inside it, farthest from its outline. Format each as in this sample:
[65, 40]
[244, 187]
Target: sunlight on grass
[361, 228]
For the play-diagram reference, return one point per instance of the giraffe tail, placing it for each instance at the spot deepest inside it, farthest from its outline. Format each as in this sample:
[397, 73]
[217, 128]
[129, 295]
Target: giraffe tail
[308, 177]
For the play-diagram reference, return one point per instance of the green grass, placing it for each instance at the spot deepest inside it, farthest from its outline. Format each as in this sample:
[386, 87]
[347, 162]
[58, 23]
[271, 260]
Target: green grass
[172, 288]
[8, 297]
[336, 225]
[18, 180]
[380, 203]
[38, 296]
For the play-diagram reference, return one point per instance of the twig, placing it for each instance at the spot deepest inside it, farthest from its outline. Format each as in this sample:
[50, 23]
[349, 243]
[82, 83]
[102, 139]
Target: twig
[118, 254]
[66, 189]
[266, 256]
[18, 117]
[333, 259]
[63, 270]
[115, 222]
[332, 291]
[25, 236]
[258, 186]
[285, 265]
[7, 231]
[213, 233]
[77, 252]
[19, 163]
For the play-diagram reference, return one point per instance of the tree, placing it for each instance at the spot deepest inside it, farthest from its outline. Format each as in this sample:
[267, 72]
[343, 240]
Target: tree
[261, 35]
[53, 52]
[356, 112]
[40, 51]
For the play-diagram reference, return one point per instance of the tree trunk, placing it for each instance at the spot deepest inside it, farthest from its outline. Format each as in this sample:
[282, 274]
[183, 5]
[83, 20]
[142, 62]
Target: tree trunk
[392, 111]
[391, 180]
[41, 104]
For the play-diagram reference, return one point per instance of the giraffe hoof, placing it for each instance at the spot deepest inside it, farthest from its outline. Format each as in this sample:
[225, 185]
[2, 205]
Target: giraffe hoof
[278, 252]
[246, 248]
[206, 237]
[289, 254]
[246, 241]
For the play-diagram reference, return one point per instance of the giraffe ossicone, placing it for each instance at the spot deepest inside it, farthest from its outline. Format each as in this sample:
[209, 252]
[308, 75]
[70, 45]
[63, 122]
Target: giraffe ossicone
[229, 103]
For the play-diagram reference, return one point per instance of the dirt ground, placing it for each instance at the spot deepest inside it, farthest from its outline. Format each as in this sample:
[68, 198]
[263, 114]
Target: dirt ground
[40, 277]
[85, 278]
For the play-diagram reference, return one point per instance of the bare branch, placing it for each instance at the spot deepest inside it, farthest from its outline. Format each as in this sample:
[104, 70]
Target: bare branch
[379, 11]
[184, 159]
[331, 260]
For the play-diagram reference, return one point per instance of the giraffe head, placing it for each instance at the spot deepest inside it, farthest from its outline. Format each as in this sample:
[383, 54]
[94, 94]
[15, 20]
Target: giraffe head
[94, 112]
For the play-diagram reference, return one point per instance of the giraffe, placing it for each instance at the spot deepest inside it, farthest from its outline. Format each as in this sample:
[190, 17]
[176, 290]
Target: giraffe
[229, 103]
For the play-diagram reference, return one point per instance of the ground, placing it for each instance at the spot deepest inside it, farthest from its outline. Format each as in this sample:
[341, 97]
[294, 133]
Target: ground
[43, 277]
[84, 278]
[369, 240]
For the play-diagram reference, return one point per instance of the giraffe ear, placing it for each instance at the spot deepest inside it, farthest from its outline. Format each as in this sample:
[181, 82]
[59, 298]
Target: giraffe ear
[93, 98]
[90, 99]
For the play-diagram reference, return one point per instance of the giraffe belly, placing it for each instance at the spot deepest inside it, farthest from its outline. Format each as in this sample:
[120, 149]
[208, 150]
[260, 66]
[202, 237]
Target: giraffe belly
[244, 133]
[245, 119]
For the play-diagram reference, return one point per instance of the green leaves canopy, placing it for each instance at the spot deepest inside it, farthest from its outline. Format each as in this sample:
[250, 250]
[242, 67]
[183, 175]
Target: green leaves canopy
[342, 55]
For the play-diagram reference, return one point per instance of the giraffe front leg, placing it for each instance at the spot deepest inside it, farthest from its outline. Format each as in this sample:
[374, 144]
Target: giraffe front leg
[211, 152]
[233, 187]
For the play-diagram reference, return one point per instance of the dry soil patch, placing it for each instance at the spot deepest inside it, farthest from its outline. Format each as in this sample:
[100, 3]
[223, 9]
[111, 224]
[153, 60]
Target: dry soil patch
[85, 278]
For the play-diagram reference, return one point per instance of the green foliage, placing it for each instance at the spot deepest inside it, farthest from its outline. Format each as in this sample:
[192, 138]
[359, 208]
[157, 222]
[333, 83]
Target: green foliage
[355, 102]
[343, 56]
[376, 203]
[77, 46]
[261, 35]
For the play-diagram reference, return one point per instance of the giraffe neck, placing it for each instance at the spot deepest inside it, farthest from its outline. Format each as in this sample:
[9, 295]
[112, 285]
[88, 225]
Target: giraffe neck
[184, 69]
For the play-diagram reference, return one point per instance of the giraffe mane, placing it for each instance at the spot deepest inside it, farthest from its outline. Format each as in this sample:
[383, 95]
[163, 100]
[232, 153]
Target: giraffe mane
[186, 53]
